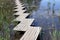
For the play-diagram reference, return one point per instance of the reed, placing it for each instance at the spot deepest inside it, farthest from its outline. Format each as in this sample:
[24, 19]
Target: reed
[6, 16]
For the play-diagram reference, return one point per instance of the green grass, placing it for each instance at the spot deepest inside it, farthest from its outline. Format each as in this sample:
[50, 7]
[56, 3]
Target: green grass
[55, 35]
[6, 16]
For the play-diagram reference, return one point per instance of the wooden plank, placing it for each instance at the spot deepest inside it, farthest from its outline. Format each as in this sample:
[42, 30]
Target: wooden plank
[24, 25]
[22, 18]
[27, 21]
[35, 35]
[19, 13]
[17, 2]
[31, 34]
[21, 28]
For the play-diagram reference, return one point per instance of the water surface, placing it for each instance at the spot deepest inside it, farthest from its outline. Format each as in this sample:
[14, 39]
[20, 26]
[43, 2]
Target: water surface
[46, 14]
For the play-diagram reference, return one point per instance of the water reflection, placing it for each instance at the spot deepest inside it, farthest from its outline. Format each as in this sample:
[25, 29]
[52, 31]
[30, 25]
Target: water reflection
[46, 15]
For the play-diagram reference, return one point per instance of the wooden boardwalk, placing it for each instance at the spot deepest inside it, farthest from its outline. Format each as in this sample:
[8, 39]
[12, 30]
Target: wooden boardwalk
[31, 32]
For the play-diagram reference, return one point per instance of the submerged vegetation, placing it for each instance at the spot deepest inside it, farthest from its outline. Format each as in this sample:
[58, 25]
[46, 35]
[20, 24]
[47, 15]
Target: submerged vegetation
[54, 33]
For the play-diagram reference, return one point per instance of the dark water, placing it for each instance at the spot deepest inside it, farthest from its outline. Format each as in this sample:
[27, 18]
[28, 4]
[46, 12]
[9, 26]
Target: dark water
[45, 19]
[46, 14]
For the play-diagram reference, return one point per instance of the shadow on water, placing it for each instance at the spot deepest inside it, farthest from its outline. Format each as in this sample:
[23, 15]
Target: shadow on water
[46, 14]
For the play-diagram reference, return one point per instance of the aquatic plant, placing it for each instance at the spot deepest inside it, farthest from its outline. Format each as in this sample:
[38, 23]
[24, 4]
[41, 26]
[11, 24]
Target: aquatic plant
[55, 34]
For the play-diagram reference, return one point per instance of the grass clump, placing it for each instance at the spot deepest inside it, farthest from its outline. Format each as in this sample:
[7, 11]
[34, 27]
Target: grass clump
[6, 16]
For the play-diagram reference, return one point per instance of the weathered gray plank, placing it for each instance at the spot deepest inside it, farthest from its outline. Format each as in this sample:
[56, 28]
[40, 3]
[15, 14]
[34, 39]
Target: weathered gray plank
[31, 32]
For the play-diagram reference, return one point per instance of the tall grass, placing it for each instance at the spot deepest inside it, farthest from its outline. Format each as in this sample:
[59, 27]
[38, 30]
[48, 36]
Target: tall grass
[6, 16]
[54, 33]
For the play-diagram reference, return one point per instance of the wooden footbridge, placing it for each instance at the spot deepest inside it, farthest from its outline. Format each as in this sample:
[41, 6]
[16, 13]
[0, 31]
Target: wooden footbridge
[31, 32]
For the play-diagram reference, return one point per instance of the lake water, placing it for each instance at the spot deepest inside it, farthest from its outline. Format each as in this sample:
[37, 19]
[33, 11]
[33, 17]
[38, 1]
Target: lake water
[46, 14]
[45, 19]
